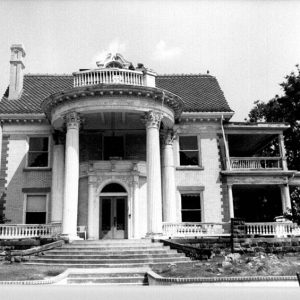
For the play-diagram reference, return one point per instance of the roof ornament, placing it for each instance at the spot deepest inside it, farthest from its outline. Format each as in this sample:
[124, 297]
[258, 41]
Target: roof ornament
[114, 60]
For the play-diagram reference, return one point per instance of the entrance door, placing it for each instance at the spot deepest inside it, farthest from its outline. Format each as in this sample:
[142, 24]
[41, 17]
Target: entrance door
[113, 218]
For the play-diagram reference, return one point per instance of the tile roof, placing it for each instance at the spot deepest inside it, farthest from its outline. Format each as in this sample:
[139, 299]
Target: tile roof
[200, 93]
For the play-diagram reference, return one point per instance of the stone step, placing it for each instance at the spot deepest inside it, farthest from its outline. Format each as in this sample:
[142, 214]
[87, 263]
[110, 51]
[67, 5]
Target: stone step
[109, 252]
[115, 246]
[115, 265]
[117, 241]
[106, 260]
[105, 280]
[107, 275]
[110, 256]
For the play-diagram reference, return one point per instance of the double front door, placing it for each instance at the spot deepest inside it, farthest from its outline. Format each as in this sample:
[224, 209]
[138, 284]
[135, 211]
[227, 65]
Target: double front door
[113, 222]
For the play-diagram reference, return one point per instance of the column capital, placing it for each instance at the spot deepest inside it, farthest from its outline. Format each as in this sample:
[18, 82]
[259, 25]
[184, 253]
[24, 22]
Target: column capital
[72, 120]
[152, 119]
[168, 136]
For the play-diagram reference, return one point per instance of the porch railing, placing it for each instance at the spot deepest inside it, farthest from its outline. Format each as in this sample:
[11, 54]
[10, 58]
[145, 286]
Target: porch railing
[15, 231]
[108, 76]
[195, 229]
[279, 229]
[255, 163]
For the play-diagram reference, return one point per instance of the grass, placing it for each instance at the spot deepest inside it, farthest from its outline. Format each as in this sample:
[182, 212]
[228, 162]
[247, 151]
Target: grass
[236, 265]
[19, 271]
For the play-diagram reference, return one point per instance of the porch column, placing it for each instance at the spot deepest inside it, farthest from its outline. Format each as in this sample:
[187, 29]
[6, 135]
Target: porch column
[168, 170]
[154, 204]
[282, 151]
[91, 209]
[230, 201]
[57, 187]
[69, 225]
[285, 197]
[135, 207]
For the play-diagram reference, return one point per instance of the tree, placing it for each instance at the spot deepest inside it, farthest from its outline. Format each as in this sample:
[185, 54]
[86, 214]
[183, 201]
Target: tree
[285, 108]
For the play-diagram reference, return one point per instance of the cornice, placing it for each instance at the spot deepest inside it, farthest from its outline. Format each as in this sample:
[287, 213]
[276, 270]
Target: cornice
[153, 94]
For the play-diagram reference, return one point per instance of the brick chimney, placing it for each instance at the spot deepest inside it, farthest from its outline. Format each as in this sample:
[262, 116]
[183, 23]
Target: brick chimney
[16, 71]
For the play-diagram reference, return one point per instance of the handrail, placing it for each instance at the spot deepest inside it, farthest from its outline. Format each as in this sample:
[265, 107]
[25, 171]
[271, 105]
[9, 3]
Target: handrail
[272, 228]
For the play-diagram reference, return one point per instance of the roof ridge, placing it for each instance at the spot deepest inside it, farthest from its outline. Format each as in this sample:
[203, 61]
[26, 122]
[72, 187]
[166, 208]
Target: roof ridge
[48, 75]
[186, 75]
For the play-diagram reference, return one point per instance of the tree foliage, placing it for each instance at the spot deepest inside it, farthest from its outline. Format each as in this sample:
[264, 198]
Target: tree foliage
[285, 108]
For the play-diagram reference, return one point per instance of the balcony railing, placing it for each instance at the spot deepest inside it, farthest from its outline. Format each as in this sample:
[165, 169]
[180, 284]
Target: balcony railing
[16, 231]
[195, 229]
[242, 163]
[279, 229]
[108, 76]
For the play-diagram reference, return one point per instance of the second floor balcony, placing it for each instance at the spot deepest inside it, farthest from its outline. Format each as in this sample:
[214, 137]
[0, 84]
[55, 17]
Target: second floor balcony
[254, 147]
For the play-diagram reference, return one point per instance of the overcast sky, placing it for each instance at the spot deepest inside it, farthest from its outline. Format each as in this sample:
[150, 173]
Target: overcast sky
[248, 45]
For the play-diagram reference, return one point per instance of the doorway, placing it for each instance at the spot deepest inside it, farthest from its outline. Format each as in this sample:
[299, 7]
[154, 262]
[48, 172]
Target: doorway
[113, 221]
[113, 212]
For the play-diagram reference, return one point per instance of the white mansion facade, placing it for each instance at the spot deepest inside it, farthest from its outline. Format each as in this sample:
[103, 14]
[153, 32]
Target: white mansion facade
[125, 153]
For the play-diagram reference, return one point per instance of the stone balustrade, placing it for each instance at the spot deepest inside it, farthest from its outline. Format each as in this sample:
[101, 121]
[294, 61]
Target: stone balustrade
[194, 229]
[108, 76]
[256, 163]
[18, 231]
[278, 229]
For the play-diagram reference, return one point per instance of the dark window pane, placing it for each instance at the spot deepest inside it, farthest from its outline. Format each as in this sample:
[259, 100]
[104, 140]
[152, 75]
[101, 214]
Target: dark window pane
[38, 144]
[36, 159]
[191, 216]
[36, 218]
[188, 158]
[113, 147]
[188, 143]
[90, 146]
[190, 201]
[106, 214]
[120, 214]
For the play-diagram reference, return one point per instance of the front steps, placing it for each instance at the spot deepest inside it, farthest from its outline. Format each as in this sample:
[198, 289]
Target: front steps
[111, 254]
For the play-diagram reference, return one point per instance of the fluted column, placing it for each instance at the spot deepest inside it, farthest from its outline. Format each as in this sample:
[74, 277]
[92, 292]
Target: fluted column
[69, 226]
[230, 201]
[168, 170]
[57, 188]
[154, 204]
[91, 209]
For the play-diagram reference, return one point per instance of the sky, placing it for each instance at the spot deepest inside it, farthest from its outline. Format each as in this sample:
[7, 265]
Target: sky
[249, 46]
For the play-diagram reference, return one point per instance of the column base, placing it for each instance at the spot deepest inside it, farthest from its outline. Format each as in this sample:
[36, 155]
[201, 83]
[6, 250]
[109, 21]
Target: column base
[152, 235]
[70, 238]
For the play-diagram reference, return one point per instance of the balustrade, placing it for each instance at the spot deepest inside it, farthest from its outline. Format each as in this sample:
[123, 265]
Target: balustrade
[29, 231]
[256, 163]
[279, 229]
[194, 229]
[108, 76]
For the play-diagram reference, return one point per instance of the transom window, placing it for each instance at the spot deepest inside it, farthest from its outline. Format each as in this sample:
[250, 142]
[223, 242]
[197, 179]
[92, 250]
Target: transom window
[190, 207]
[188, 151]
[36, 209]
[38, 154]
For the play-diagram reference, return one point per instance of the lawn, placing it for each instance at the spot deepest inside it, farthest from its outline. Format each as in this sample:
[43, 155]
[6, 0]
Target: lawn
[237, 265]
[19, 271]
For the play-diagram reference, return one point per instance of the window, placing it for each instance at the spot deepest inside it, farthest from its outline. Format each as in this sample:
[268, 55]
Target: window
[38, 154]
[190, 207]
[188, 151]
[35, 209]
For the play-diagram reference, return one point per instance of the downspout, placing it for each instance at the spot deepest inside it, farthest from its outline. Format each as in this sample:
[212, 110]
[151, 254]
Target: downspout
[226, 146]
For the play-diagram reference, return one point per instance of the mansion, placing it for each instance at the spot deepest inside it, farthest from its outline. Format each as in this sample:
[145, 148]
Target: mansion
[120, 152]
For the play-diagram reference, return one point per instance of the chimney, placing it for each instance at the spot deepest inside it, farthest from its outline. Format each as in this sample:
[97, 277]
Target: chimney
[16, 71]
